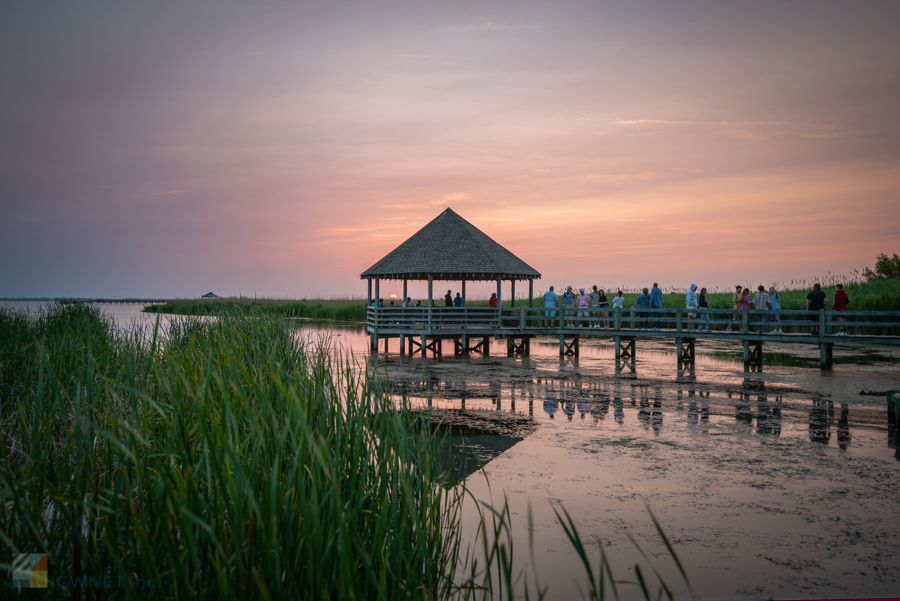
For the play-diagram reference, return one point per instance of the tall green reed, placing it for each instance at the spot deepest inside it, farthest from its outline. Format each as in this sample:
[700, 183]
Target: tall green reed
[231, 461]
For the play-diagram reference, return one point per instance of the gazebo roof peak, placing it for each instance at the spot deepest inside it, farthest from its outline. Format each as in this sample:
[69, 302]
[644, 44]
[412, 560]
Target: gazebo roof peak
[450, 248]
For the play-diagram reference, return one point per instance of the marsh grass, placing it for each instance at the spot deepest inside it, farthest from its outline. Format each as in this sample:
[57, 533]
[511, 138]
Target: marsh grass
[231, 459]
[325, 309]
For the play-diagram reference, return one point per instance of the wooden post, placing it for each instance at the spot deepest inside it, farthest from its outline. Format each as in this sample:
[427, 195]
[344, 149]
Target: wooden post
[512, 294]
[403, 300]
[893, 408]
[464, 292]
[530, 292]
[430, 300]
[522, 318]
[377, 314]
[826, 354]
[746, 345]
[821, 324]
[499, 281]
[618, 315]
[678, 320]
[402, 344]
[679, 346]
[369, 294]
[562, 345]
[745, 318]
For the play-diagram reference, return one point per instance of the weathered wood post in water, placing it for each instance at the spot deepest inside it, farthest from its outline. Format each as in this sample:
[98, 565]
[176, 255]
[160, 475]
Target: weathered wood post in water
[826, 349]
[893, 407]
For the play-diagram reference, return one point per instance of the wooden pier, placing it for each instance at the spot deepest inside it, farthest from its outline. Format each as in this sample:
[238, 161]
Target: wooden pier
[423, 329]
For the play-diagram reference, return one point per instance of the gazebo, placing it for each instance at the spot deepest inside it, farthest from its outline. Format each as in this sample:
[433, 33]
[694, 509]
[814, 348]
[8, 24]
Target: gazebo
[449, 248]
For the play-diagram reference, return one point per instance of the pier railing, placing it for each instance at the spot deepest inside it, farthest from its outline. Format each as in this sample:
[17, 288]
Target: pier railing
[537, 320]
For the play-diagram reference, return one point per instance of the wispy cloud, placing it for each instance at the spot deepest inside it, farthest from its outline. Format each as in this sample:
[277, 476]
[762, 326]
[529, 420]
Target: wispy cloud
[612, 177]
[726, 123]
[491, 26]
[159, 193]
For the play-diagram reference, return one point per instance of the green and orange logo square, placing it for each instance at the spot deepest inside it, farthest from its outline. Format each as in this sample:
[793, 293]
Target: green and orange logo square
[30, 570]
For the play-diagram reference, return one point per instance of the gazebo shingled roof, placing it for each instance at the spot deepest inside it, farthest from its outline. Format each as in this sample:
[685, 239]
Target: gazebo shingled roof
[450, 248]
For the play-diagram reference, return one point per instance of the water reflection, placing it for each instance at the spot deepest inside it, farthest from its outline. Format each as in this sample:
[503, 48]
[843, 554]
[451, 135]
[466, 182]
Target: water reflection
[758, 407]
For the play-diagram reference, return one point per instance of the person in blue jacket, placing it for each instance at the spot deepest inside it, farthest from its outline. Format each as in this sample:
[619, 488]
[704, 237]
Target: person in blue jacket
[656, 303]
[643, 302]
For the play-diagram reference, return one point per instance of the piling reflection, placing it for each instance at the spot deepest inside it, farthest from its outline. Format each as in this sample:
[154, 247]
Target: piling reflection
[654, 405]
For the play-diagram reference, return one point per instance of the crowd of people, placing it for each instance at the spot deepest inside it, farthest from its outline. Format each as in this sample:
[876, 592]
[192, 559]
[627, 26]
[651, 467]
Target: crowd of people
[596, 304]
[578, 307]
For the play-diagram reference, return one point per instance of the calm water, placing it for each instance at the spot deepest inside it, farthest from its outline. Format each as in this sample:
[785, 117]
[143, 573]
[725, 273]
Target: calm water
[775, 483]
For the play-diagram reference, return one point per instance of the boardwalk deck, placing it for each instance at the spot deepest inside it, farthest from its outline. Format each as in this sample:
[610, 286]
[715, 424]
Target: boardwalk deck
[518, 325]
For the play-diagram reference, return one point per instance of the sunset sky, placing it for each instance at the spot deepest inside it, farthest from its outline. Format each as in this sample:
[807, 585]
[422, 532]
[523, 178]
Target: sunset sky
[280, 148]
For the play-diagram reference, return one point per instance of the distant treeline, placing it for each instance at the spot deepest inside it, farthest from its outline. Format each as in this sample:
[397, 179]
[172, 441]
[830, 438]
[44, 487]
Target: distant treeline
[876, 295]
[337, 310]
